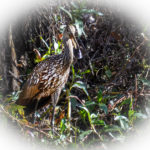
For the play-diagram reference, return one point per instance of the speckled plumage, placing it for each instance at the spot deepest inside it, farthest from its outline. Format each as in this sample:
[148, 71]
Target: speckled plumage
[47, 79]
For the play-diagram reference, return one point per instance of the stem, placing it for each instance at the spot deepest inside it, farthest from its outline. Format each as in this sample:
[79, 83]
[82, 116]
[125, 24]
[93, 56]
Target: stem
[69, 108]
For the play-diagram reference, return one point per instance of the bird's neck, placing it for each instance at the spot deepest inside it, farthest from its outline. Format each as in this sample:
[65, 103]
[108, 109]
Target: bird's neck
[68, 52]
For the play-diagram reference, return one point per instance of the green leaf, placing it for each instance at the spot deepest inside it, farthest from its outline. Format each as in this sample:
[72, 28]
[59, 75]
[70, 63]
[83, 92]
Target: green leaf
[124, 122]
[124, 125]
[55, 45]
[73, 72]
[94, 116]
[104, 108]
[119, 117]
[131, 103]
[67, 12]
[96, 121]
[62, 137]
[62, 126]
[88, 113]
[55, 18]
[62, 27]
[90, 105]
[131, 113]
[83, 114]
[99, 96]
[145, 82]
[59, 50]
[1, 78]
[140, 115]
[21, 111]
[78, 76]
[84, 134]
[99, 122]
[74, 5]
[81, 85]
[44, 42]
[91, 11]
[108, 73]
[45, 56]
[79, 27]
[13, 108]
[127, 101]
[15, 95]
[112, 128]
[86, 71]
[74, 103]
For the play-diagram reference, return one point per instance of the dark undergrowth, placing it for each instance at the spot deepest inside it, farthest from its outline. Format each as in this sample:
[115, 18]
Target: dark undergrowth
[107, 94]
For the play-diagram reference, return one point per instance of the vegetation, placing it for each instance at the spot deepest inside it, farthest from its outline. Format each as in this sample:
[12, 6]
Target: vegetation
[107, 94]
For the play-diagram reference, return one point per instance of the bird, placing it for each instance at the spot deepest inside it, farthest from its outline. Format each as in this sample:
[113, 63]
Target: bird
[45, 82]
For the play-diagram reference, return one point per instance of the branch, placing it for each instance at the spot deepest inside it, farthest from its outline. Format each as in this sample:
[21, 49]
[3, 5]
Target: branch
[15, 84]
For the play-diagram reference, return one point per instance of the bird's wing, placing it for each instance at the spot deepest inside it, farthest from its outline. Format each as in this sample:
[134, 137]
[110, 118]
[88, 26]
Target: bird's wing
[43, 77]
[27, 94]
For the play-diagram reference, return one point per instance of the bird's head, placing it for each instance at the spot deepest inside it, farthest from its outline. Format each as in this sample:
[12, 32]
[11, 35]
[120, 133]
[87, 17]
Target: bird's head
[69, 33]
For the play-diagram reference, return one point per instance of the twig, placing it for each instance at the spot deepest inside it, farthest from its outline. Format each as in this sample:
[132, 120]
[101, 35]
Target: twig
[15, 84]
[21, 123]
[118, 101]
[136, 90]
[76, 98]
[145, 78]
[14, 76]
[28, 126]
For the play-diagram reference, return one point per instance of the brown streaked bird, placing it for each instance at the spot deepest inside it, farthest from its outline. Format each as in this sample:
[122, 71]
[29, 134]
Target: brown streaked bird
[47, 79]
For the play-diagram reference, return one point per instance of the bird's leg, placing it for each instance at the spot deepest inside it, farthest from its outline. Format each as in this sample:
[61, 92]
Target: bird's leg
[35, 108]
[52, 120]
[55, 97]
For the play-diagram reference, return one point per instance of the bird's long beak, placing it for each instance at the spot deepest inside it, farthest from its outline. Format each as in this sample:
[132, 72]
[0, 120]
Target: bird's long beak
[74, 41]
[77, 51]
